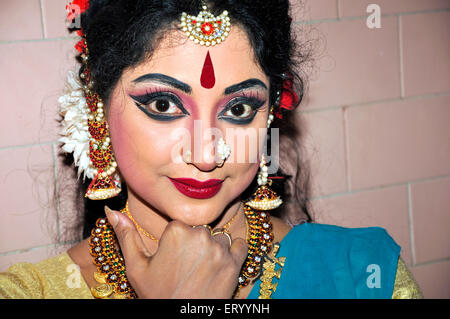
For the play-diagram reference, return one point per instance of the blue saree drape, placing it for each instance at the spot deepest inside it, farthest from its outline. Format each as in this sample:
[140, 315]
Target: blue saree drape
[333, 262]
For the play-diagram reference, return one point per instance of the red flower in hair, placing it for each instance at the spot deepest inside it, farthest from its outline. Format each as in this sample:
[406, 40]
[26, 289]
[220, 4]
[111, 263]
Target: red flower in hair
[76, 7]
[288, 98]
[81, 46]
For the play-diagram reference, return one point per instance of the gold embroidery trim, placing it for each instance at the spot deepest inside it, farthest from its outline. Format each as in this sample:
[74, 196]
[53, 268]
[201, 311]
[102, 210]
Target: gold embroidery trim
[267, 287]
[405, 287]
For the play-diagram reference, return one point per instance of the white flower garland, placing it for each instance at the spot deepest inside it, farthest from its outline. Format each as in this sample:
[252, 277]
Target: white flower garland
[75, 130]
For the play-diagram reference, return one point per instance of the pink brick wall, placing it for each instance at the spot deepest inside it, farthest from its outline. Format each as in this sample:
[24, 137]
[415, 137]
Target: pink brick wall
[376, 113]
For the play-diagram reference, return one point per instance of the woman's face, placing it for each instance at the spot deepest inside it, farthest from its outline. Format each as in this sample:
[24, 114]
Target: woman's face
[174, 102]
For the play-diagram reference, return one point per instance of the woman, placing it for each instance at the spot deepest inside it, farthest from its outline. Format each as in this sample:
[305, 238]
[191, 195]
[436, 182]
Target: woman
[166, 93]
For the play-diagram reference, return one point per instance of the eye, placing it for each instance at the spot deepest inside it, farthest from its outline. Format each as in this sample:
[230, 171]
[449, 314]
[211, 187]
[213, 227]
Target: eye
[240, 110]
[161, 106]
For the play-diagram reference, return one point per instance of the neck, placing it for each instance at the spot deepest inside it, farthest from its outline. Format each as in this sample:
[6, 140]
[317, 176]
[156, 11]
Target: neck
[155, 222]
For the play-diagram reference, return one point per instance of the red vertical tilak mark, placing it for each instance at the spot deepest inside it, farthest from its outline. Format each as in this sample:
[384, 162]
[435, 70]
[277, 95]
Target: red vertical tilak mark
[208, 78]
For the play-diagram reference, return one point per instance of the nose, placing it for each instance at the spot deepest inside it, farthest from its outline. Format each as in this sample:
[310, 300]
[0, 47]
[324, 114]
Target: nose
[204, 146]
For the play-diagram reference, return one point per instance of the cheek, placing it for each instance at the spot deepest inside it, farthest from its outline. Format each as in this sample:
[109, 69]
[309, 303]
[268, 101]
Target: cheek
[243, 175]
[140, 148]
[247, 148]
[247, 144]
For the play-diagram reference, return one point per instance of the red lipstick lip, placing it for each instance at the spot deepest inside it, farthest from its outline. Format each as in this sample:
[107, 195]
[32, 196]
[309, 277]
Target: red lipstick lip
[197, 189]
[196, 183]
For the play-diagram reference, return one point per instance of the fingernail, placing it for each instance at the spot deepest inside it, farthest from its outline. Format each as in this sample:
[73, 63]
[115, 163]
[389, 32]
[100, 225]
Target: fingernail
[112, 217]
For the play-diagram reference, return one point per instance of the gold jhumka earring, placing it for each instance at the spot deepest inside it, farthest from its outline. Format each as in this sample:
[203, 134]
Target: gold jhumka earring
[85, 131]
[264, 198]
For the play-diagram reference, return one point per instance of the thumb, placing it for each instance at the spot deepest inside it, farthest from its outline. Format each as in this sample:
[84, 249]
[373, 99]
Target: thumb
[130, 241]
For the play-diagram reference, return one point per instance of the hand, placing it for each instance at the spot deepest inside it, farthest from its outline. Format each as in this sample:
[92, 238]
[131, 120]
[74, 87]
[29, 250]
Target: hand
[189, 262]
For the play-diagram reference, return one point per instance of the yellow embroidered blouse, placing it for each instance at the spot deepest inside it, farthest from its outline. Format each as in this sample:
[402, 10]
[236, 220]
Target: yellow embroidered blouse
[57, 278]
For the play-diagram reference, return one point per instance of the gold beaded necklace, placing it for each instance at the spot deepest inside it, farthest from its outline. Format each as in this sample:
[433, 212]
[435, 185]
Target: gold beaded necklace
[110, 274]
[259, 241]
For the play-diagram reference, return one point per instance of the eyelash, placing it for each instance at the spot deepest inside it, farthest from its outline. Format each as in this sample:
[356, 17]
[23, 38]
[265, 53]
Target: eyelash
[250, 99]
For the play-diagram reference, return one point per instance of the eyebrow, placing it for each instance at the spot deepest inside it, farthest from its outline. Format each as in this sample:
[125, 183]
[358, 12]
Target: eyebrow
[164, 79]
[170, 81]
[250, 83]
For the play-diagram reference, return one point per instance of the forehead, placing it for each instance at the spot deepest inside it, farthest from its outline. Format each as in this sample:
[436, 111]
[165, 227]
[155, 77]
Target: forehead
[177, 56]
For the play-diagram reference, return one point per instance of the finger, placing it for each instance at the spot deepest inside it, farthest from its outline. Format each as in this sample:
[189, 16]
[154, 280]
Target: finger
[206, 228]
[174, 235]
[130, 241]
[223, 239]
[239, 250]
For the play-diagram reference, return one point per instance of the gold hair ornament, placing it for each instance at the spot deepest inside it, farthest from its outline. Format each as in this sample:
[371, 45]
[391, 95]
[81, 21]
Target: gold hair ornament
[205, 28]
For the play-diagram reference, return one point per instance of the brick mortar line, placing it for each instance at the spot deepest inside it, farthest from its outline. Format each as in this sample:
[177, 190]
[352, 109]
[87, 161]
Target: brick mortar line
[44, 30]
[379, 187]
[13, 147]
[351, 18]
[431, 262]
[347, 149]
[400, 53]
[30, 249]
[55, 173]
[389, 100]
[338, 9]
[411, 226]
[38, 40]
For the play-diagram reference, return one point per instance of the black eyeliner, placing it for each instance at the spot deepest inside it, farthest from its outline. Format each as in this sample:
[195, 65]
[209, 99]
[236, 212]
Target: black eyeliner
[239, 122]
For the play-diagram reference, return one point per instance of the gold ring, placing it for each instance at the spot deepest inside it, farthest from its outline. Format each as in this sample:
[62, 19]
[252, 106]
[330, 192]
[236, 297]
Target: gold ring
[219, 231]
[205, 226]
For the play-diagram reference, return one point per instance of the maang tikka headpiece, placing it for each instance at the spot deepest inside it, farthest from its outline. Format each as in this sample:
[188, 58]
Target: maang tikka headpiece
[206, 28]
[85, 129]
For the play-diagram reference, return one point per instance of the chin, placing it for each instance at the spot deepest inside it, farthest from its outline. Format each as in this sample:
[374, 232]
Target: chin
[196, 214]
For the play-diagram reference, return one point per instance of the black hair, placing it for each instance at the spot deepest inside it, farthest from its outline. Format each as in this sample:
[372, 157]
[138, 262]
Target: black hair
[123, 33]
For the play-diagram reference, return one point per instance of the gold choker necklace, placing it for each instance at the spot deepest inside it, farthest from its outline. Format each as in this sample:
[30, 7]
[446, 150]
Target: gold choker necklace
[126, 211]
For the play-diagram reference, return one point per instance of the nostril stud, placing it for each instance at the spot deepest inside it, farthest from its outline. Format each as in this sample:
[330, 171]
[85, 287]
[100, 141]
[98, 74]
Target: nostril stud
[223, 150]
[187, 158]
